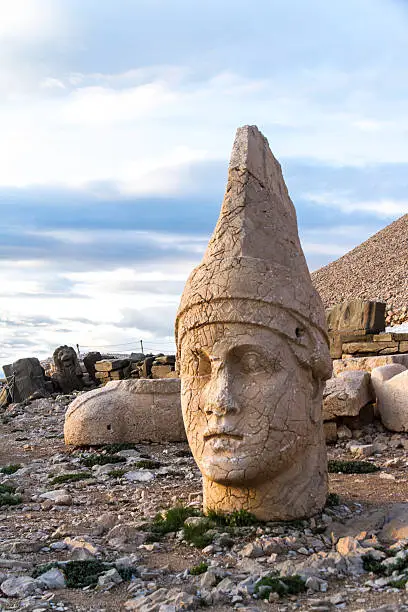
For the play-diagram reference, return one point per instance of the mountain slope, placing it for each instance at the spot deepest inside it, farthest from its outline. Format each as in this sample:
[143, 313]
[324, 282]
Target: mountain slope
[377, 269]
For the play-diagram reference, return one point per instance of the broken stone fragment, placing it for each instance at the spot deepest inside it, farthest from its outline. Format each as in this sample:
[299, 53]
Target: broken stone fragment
[392, 398]
[346, 394]
[126, 411]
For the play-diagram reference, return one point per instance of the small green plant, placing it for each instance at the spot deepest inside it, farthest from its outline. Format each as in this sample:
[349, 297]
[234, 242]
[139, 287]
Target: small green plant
[286, 585]
[44, 567]
[6, 488]
[117, 473]
[89, 462]
[398, 584]
[332, 500]
[148, 464]
[198, 534]
[352, 467]
[10, 500]
[372, 565]
[172, 519]
[70, 477]
[8, 497]
[201, 568]
[79, 574]
[11, 469]
[238, 518]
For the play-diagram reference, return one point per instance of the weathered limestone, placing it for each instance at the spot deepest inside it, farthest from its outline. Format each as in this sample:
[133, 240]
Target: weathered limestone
[90, 360]
[26, 377]
[346, 395]
[383, 373]
[367, 363]
[112, 369]
[391, 389]
[126, 411]
[68, 373]
[253, 350]
[357, 316]
[352, 326]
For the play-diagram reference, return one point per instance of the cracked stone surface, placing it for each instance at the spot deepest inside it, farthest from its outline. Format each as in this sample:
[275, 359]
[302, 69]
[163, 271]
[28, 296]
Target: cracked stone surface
[126, 411]
[253, 350]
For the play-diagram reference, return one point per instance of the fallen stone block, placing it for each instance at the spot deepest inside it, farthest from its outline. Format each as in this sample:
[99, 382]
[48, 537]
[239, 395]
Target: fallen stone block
[161, 371]
[126, 411]
[346, 395]
[369, 347]
[106, 365]
[392, 399]
[357, 315]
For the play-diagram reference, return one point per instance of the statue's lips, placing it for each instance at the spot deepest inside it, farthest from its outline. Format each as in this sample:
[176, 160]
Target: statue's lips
[220, 434]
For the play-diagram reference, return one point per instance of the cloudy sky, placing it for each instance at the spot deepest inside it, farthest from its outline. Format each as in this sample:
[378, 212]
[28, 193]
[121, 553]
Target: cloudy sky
[117, 118]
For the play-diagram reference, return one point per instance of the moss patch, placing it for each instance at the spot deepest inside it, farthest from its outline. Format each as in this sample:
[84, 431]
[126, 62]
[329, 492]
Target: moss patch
[101, 460]
[117, 473]
[70, 478]
[116, 448]
[372, 565]
[148, 464]
[8, 497]
[79, 574]
[11, 469]
[352, 467]
[287, 585]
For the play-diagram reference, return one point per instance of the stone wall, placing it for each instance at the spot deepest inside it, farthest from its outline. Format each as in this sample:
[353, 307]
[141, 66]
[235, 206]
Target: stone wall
[357, 329]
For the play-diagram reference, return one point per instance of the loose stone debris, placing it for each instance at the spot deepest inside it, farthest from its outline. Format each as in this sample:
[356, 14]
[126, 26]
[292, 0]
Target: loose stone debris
[84, 535]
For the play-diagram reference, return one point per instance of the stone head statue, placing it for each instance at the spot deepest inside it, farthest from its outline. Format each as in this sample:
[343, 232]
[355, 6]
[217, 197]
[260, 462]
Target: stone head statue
[68, 373]
[253, 350]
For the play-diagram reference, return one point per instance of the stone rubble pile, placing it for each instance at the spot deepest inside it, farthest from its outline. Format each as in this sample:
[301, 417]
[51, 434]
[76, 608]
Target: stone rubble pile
[376, 269]
[137, 366]
[65, 372]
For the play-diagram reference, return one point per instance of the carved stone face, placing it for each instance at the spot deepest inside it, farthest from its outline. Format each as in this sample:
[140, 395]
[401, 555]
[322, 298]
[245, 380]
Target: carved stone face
[65, 358]
[246, 402]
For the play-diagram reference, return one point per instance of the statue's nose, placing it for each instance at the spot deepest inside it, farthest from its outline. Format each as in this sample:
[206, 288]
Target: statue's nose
[220, 399]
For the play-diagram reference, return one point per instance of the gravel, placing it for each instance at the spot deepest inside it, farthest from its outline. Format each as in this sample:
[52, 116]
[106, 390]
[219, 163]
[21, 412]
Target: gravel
[374, 270]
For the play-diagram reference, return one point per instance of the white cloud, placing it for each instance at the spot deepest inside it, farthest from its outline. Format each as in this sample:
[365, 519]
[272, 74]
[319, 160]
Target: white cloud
[25, 20]
[384, 207]
[142, 130]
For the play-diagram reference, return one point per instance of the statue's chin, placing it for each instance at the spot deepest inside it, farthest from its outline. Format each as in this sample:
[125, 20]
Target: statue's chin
[232, 473]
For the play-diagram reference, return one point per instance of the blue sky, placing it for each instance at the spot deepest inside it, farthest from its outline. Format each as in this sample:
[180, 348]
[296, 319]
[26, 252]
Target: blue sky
[117, 120]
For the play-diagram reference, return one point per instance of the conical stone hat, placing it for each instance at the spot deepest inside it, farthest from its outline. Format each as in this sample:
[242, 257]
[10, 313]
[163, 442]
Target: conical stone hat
[254, 269]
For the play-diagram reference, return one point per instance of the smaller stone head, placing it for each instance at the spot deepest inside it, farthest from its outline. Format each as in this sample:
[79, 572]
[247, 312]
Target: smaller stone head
[68, 372]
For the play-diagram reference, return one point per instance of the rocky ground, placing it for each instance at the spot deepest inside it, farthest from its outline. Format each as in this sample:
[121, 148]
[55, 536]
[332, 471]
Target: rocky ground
[89, 541]
[374, 270]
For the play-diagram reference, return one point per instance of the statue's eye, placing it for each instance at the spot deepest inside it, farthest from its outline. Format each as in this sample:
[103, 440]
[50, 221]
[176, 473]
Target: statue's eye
[202, 364]
[252, 362]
